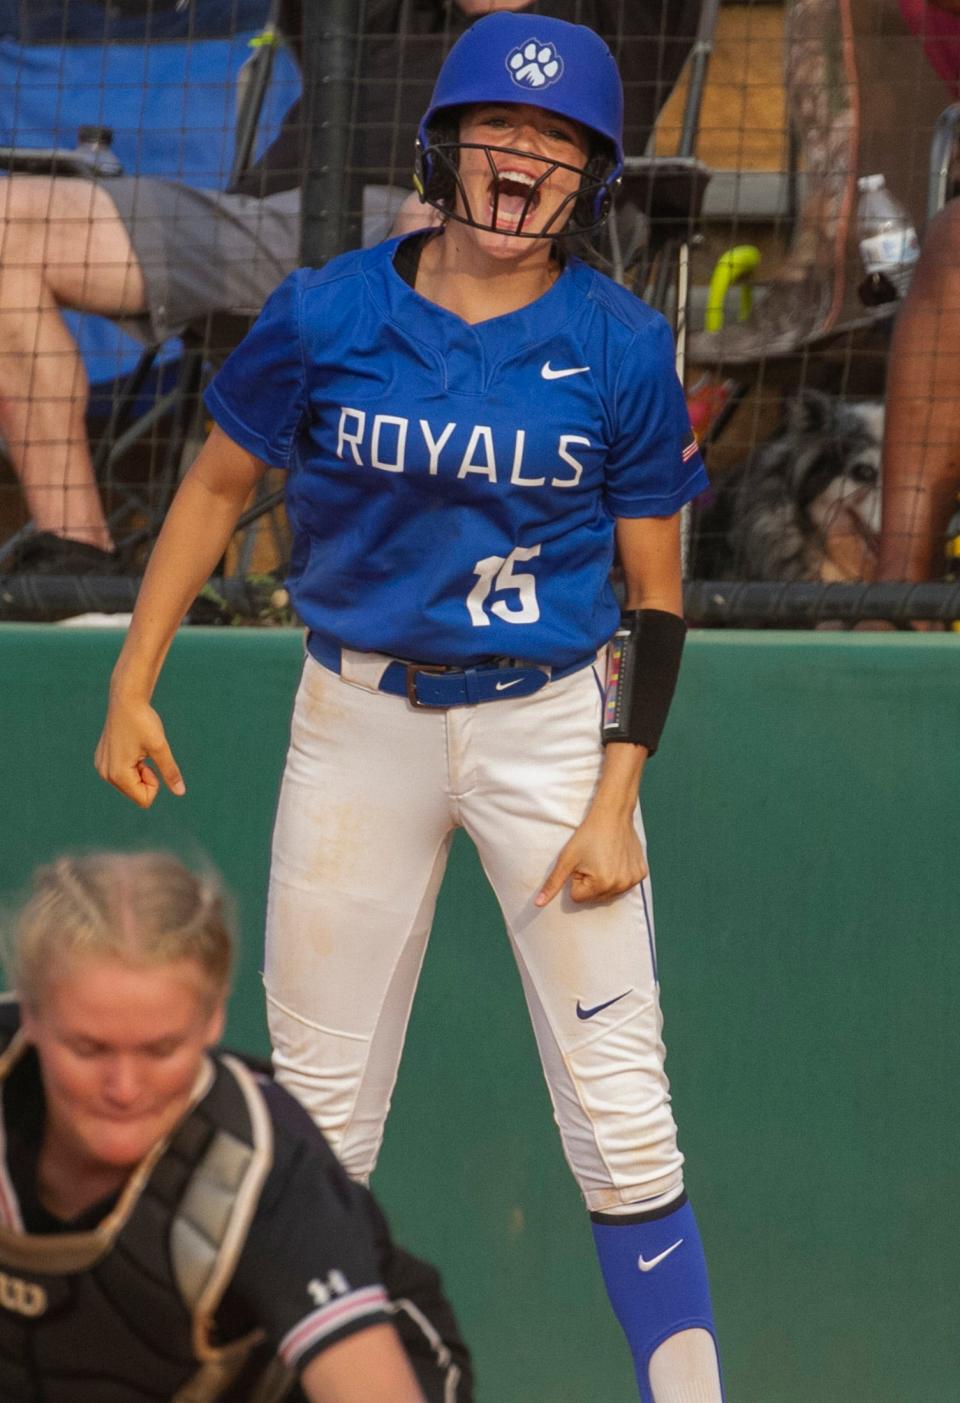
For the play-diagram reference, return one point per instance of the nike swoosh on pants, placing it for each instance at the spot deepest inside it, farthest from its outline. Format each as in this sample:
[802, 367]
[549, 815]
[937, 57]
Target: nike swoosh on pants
[583, 1013]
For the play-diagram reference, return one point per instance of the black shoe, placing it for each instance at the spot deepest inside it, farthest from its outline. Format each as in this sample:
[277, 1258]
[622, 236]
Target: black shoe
[44, 553]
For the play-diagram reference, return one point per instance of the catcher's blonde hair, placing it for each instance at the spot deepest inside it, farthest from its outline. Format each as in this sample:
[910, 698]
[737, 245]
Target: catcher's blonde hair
[144, 909]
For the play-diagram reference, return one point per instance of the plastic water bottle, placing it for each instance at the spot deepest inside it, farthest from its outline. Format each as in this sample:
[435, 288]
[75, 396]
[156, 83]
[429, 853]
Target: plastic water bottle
[95, 145]
[889, 247]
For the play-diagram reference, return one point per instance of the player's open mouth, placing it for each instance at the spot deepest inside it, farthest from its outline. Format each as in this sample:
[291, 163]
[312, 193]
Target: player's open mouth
[514, 196]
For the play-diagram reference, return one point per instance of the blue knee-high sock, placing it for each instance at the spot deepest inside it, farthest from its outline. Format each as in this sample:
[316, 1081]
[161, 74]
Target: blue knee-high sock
[656, 1278]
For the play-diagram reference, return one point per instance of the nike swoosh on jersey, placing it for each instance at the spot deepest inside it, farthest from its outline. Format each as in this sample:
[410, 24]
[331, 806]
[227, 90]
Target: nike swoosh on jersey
[583, 1013]
[548, 372]
[644, 1265]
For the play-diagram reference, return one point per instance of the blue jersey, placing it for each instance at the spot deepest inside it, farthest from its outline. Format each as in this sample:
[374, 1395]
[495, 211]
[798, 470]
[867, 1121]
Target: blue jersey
[453, 488]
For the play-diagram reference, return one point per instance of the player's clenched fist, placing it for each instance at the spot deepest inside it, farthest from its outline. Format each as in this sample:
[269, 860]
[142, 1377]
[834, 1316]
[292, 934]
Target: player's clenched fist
[132, 736]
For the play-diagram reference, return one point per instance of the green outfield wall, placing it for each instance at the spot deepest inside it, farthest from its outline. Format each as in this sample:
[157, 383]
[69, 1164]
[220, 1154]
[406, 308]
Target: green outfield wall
[804, 820]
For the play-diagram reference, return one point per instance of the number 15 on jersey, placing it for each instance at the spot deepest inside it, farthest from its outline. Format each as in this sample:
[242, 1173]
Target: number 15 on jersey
[495, 574]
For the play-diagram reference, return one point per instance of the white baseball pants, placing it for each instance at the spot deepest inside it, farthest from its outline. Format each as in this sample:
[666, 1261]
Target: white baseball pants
[372, 792]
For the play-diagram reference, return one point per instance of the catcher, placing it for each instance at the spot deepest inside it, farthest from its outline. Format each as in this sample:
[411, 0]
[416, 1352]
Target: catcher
[172, 1225]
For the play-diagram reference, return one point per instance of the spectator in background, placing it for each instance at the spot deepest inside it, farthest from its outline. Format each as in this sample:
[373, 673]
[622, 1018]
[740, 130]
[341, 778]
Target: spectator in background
[921, 457]
[184, 1219]
[158, 254]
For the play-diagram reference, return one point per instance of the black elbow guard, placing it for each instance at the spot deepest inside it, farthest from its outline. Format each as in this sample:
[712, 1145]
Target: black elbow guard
[643, 664]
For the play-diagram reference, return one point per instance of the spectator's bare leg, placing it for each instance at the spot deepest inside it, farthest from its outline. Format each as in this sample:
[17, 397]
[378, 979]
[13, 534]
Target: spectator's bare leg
[62, 244]
[921, 449]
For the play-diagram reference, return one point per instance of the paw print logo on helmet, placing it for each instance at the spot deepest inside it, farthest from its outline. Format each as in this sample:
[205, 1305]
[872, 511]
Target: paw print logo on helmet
[534, 65]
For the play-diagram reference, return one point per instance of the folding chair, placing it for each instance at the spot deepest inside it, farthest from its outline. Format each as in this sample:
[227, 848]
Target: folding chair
[845, 67]
[851, 70]
[157, 404]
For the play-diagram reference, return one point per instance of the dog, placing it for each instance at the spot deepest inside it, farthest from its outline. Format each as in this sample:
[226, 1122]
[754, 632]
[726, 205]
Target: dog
[805, 505]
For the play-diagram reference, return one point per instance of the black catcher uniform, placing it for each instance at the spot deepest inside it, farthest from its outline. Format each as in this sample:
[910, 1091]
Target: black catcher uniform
[236, 1252]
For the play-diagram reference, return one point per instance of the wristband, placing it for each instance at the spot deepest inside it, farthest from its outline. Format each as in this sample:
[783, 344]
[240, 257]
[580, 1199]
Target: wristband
[642, 668]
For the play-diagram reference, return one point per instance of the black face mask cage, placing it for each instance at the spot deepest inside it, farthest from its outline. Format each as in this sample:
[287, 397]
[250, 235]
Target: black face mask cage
[445, 182]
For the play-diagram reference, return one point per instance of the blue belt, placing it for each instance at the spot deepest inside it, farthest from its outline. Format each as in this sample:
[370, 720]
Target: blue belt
[426, 685]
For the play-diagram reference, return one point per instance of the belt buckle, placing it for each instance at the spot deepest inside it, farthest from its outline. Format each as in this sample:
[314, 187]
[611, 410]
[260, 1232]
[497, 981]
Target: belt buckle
[412, 670]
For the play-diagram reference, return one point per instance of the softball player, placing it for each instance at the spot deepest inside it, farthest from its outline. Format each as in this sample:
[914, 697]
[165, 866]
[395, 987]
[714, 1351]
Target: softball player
[470, 419]
[172, 1225]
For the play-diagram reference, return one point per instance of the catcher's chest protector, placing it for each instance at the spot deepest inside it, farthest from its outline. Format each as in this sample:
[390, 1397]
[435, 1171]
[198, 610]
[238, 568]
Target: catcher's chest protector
[124, 1313]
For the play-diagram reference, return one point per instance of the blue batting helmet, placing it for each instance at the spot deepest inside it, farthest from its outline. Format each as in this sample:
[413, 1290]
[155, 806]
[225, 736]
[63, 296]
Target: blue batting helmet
[513, 57]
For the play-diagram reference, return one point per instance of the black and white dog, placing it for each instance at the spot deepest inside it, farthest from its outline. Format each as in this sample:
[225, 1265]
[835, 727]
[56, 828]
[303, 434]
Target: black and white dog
[805, 505]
